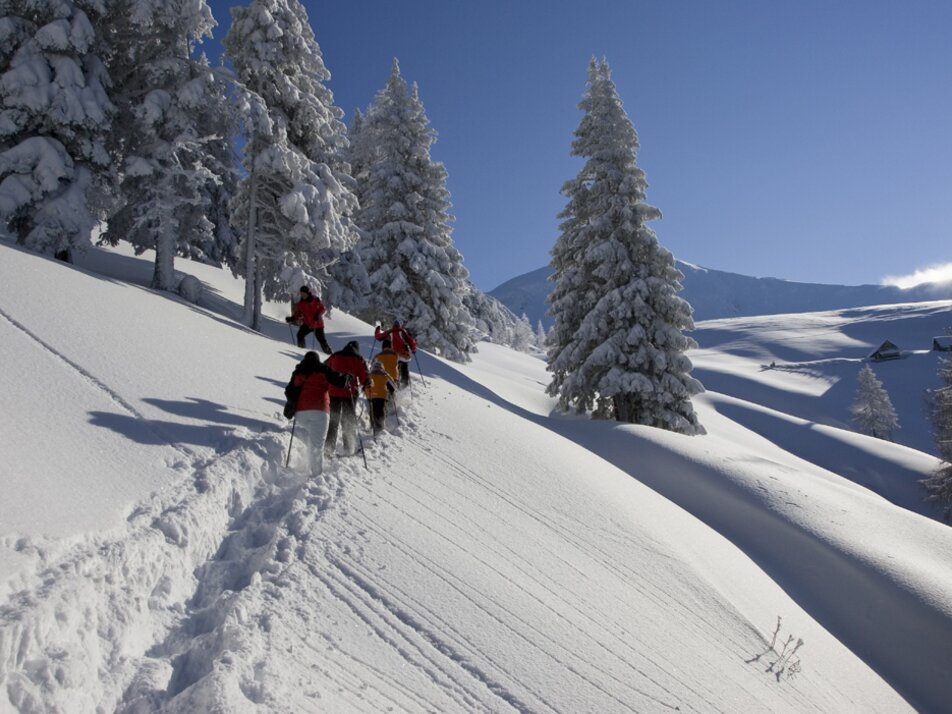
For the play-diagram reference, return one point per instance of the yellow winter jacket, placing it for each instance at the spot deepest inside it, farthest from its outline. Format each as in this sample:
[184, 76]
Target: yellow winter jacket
[388, 358]
[380, 386]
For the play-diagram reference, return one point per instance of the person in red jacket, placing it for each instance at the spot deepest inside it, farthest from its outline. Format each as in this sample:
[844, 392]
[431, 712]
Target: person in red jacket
[403, 343]
[308, 390]
[343, 413]
[309, 314]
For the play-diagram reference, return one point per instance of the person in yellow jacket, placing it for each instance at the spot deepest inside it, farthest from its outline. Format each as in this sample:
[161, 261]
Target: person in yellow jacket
[379, 391]
[389, 359]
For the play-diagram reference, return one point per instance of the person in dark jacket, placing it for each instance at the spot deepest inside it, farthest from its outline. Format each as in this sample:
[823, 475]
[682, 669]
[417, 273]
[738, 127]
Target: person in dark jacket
[343, 415]
[404, 345]
[309, 391]
[309, 314]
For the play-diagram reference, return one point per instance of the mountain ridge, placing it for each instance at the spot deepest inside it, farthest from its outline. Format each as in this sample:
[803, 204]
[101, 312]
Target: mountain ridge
[715, 294]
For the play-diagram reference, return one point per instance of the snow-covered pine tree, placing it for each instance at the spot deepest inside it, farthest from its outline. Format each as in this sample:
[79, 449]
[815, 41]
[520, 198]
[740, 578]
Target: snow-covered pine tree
[540, 336]
[939, 485]
[294, 208]
[173, 134]
[360, 150]
[348, 285]
[54, 117]
[617, 348]
[872, 409]
[493, 321]
[523, 337]
[208, 235]
[416, 273]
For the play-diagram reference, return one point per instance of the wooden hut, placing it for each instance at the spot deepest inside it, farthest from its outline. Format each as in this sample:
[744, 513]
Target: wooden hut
[887, 350]
[942, 343]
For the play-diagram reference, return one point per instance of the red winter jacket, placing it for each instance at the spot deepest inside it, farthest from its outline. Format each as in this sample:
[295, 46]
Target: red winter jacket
[347, 361]
[400, 339]
[310, 312]
[314, 380]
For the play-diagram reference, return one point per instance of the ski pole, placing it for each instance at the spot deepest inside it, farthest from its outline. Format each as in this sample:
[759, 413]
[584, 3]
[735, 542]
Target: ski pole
[291, 330]
[360, 441]
[293, 424]
[419, 369]
[373, 347]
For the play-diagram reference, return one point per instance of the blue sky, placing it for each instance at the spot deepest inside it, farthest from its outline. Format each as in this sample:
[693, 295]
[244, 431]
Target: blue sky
[807, 140]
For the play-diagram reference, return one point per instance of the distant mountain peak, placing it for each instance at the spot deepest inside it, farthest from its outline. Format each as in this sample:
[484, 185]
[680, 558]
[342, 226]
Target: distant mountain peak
[717, 294]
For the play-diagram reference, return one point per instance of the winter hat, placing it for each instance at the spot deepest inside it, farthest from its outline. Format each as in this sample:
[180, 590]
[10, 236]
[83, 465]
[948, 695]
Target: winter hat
[354, 346]
[386, 345]
[396, 323]
[305, 289]
[312, 356]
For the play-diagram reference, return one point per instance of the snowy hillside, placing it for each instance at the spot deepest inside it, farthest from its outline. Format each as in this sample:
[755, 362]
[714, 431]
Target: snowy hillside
[155, 554]
[717, 294]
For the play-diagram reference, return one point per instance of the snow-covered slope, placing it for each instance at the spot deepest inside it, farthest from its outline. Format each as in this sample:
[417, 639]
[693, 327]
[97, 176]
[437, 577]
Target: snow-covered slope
[807, 364]
[718, 294]
[157, 556]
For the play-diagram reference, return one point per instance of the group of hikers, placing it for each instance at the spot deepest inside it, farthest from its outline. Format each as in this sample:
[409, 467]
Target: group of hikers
[322, 397]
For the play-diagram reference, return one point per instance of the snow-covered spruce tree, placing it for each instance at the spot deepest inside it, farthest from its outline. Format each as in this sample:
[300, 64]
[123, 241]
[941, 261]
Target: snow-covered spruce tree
[208, 235]
[493, 321]
[939, 485]
[523, 337]
[540, 337]
[617, 348]
[294, 208]
[173, 134]
[347, 283]
[872, 409]
[346, 280]
[54, 118]
[416, 273]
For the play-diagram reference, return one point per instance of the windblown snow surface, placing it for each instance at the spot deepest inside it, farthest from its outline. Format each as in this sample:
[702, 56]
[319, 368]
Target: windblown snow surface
[492, 555]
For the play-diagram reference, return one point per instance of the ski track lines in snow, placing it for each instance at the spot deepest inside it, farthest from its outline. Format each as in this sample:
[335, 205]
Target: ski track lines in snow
[214, 655]
[532, 639]
[437, 645]
[548, 599]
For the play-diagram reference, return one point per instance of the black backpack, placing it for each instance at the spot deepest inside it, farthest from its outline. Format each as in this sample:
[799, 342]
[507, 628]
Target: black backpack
[291, 393]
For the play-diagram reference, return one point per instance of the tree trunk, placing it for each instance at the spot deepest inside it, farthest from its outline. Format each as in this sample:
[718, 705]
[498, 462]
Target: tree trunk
[622, 408]
[163, 277]
[256, 323]
[252, 316]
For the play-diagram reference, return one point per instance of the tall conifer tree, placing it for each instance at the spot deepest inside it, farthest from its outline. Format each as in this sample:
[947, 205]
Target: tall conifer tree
[173, 134]
[294, 207]
[617, 348]
[54, 118]
[416, 273]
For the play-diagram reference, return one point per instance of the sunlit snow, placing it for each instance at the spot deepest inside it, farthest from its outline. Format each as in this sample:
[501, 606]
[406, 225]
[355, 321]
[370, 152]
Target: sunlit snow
[492, 556]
